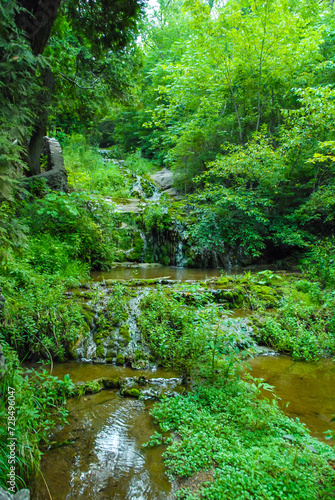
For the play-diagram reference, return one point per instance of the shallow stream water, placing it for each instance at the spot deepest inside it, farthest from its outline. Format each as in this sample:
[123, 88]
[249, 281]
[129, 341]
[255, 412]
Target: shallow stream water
[307, 388]
[103, 457]
[99, 454]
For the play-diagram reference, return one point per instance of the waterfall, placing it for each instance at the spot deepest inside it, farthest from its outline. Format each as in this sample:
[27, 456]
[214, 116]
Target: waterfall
[145, 245]
[180, 259]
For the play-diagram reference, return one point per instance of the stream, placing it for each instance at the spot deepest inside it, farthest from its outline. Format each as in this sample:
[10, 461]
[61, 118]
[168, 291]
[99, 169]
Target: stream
[99, 453]
[103, 457]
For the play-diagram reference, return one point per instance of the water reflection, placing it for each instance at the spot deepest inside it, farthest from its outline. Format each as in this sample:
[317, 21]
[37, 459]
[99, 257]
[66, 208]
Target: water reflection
[105, 459]
[309, 388]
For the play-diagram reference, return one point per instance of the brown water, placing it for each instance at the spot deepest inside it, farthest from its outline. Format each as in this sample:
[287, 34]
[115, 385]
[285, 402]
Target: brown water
[104, 458]
[87, 371]
[309, 388]
[130, 271]
[175, 273]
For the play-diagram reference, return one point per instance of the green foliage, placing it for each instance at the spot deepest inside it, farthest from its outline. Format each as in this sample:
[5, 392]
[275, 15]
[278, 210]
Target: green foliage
[174, 333]
[158, 216]
[187, 336]
[18, 89]
[249, 448]
[88, 171]
[319, 262]
[209, 93]
[139, 165]
[39, 321]
[83, 221]
[39, 408]
[306, 332]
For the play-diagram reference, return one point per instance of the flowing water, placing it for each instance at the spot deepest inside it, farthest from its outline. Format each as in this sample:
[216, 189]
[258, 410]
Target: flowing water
[102, 457]
[99, 453]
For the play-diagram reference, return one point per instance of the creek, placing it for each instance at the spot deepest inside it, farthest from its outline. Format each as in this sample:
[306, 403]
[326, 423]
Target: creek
[99, 453]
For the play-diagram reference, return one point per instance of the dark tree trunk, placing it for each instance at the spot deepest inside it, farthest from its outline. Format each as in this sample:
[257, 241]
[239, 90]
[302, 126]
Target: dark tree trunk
[36, 21]
[36, 141]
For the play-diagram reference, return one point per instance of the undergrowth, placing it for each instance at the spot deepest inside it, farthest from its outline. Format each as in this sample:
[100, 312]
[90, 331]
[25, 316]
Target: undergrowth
[247, 446]
[39, 407]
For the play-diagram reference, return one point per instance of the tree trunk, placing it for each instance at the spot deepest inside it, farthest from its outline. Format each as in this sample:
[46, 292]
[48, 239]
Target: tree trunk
[36, 141]
[36, 20]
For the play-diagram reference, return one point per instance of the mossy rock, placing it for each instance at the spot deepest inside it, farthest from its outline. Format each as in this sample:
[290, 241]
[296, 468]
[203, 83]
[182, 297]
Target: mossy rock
[109, 360]
[100, 352]
[234, 297]
[112, 383]
[138, 246]
[88, 315]
[120, 359]
[133, 392]
[124, 332]
[90, 387]
[111, 351]
[224, 280]
[266, 295]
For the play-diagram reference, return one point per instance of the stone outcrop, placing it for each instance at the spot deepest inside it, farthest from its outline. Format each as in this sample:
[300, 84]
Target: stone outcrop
[55, 174]
[2, 363]
[20, 495]
[164, 178]
[2, 302]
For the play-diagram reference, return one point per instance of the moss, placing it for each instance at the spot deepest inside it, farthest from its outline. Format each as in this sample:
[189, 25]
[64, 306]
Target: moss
[112, 383]
[109, 360]
[124, 331]
[90, 387]
[133, 393]
[102, 335]
[120, 359]
[88, 315]
[138, 246]
[224, 280]
[100, 351]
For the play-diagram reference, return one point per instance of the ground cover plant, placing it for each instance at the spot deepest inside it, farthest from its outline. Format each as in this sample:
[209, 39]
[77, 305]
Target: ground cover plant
[40, 405]
[248, 447]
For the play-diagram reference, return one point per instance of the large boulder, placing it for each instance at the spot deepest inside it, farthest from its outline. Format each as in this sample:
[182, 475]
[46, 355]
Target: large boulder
[55, 174]
[20, 495]
[2, 302]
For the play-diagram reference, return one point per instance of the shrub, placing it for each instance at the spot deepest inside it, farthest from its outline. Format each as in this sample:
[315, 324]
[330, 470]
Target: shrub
[39, 407]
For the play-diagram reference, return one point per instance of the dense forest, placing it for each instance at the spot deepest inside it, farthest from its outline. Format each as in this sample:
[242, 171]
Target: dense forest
[232, 104]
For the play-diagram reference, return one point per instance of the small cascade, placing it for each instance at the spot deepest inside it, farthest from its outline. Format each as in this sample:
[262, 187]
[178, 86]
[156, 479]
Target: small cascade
[180, 259]
[157, 193]
[115, 341]
[133, 313]
[145, 245]
[137, 190]
[145, 189]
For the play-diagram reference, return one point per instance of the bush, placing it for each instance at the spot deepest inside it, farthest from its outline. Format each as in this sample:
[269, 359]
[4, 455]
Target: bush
[88, 171]
[319, 262]
[39, 322]
[303, 331]
[39, 407]
[83, 221]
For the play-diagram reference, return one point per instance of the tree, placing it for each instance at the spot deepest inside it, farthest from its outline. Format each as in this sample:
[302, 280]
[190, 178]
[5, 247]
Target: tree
[237, 70]
[27, 23]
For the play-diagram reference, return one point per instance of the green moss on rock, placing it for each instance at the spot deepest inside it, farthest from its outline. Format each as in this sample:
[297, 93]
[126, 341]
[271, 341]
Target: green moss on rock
[120, 359]
[133, 393]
